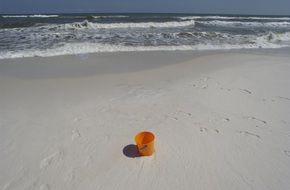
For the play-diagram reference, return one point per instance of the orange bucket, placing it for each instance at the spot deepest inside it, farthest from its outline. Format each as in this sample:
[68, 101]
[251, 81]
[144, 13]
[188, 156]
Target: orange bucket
[145, 143]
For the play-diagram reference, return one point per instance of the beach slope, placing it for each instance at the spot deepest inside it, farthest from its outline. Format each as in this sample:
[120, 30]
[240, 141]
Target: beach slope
[221, 121]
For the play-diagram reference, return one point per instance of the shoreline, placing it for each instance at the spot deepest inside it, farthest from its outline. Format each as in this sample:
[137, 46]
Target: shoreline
[280, 50]
[267, 50]
[129, 61]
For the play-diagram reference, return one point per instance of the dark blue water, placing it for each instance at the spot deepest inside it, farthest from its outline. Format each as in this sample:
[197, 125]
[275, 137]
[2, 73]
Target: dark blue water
[48, 35]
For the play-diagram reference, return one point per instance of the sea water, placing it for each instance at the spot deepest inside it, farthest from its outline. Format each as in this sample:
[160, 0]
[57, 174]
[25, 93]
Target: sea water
[61, 34]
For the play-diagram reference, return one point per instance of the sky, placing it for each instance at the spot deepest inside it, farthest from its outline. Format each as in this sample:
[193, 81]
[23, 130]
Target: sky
[256, 7]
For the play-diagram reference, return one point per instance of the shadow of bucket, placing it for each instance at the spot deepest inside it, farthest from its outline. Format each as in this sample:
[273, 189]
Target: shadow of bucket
[145, 143]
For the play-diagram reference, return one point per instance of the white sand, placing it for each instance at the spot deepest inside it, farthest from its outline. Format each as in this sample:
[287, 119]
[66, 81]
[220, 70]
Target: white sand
[221, 121]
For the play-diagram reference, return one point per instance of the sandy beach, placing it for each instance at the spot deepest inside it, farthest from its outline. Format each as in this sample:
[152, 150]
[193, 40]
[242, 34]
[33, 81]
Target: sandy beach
[221, 120]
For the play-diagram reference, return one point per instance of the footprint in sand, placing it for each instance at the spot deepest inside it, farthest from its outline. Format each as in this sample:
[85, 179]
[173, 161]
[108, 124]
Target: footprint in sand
[203, 129]
[204, 83]
[201, 83]
[226, 119]
[283, 98]
[51, 159]
[246, 133]
[185, 113]
[175, 118]
[217, 119]
[245, 91]
[254, 118]
[171, 117]
[204, 86]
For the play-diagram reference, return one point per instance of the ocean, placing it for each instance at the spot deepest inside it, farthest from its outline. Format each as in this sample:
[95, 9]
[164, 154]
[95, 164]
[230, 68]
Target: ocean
[62, 34]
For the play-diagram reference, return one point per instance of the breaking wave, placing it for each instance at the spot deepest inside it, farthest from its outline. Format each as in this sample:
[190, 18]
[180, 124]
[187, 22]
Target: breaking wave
[87, 24]
[241, 24]
[29, 16]
[111, 16]
[269, 40]
[232, 17]
[71, 34]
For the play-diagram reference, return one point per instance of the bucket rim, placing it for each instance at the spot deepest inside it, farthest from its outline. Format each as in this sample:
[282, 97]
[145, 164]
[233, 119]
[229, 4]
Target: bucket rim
[145, 132]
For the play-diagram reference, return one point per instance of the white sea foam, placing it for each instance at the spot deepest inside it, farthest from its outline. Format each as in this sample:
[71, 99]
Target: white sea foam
[44, 16]
[232, 17]
[87, 24]
[111, 16]
[27, 16]
[267, 18]
[82, 48]
[14, 16]
[89, 37]
[274, 38]
[239, 23]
